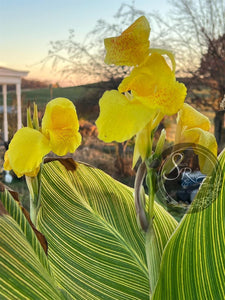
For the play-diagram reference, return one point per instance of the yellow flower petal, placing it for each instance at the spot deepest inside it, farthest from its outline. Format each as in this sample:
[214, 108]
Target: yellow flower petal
[26, 151]
[154, 84]
[193, 127]
[121, 118]
[131, 47]
[60, 125]
[206, 140]
[207, 161]
[6, 165]
[189, 117]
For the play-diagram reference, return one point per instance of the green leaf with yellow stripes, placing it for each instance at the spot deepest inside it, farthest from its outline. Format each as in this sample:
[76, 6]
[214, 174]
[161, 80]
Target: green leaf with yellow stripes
[193, 263]
[24, 269]
[96, 250]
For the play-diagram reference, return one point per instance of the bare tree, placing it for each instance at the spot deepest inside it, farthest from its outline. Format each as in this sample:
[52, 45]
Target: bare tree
[212, 65]
[195, 31]
[212, 68]
[190, 28]
[86, 58]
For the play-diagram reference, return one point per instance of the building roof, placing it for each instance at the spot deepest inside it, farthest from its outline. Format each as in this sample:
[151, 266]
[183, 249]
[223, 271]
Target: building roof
[11, 76]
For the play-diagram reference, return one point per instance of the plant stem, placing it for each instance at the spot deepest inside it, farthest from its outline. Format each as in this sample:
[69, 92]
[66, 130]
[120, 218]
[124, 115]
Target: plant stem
[153, 254]
[153, 257]
[34, 187]
[151, 196]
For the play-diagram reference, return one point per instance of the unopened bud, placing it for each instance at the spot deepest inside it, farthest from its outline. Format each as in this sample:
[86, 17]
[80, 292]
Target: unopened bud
[29, 120]
[161, 142]
[35, 118]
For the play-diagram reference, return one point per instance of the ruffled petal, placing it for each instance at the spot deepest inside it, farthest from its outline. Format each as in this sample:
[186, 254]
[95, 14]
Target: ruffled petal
[154, 84]
[26, 152]
[60, 125]
[131, 47]
[121, 118]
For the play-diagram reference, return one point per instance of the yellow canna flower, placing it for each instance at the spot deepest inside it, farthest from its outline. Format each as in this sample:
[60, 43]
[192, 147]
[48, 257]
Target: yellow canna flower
[26, 151]
[131, 47]
[121, 116]
[59, 134]
[60, 125]
[153, 83]
[193, 127]
[154, 94]
[144, 97]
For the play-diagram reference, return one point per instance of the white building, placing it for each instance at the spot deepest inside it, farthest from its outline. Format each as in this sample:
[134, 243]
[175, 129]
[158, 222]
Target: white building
[10, 76]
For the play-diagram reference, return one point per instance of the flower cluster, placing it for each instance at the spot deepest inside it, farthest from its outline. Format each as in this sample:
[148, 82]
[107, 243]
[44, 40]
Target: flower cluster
[150, 92]
[58, 133]
[144, 97]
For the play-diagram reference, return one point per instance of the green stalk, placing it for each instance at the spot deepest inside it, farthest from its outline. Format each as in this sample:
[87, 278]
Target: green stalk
[146, 219]
[153, 254]
[153, 257]
[34, 187]
[151, 194]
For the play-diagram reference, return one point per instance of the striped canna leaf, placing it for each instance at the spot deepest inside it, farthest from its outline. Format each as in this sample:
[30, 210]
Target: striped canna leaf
[24, 268]
[193, 262]
[96, 250]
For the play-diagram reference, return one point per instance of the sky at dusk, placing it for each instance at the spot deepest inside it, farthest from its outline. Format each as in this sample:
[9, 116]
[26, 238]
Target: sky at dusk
[27, 27]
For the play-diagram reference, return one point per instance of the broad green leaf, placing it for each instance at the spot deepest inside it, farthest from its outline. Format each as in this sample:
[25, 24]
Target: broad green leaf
[193, 263]
[96, 249]
[14, 209]
[24, 269]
